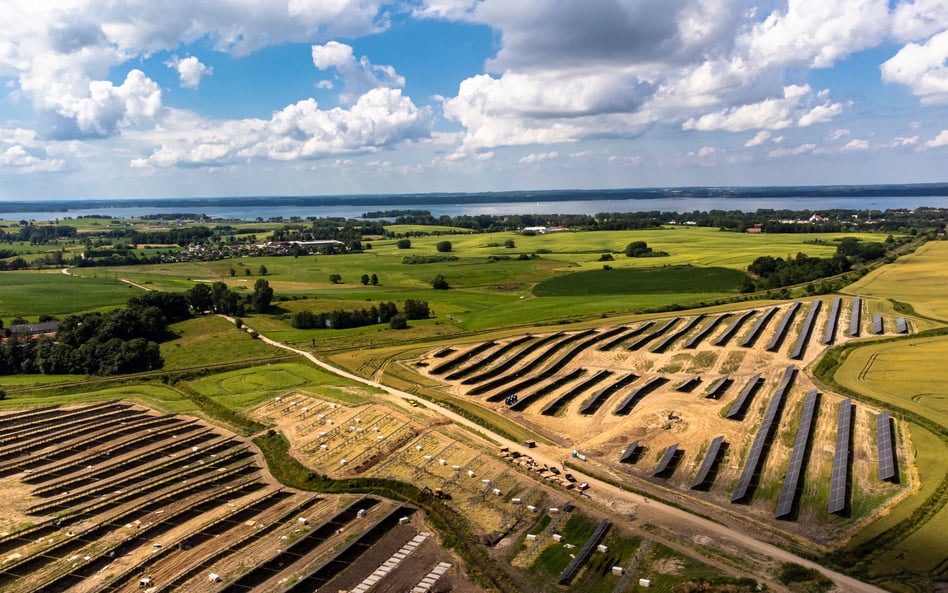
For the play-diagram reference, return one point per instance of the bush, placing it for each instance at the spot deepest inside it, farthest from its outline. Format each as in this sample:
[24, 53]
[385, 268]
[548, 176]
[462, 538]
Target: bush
[443, 246]
[398, 322]
[403, 244]
[439, 283]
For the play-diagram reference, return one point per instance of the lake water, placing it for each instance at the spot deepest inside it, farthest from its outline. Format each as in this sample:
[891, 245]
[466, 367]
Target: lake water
[238, 211]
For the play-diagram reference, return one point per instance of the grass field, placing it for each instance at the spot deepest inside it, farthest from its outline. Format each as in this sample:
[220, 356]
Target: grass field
[32, 294]
[673, 279]
[212, 340]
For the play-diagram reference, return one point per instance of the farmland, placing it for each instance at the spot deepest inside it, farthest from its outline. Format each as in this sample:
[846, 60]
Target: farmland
[655, 377]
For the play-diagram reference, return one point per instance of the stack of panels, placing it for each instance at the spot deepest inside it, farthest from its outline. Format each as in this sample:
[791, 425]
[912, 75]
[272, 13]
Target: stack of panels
[887, 463]
[792, 479]
[710, 457]
[839, 481]
[763, 434]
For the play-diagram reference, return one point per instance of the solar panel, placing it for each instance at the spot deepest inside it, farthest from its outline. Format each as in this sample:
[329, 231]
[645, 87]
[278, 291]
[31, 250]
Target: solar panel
[887, 465]
[792, 480]
[782, 328]
[666, 459]
[629, 453]
[737, 408]
[689, 385]
[877, 326]
[732, 329]
[800, 345]
[900, 325]
[630, 400]
[664, 344]
[855, 320]
[840, 479]
[631, 334]
[696, 339]
[758, 327]
[646, 339]
[830, 332]
[592, 405]
[763, 435]
[709, 458]
[718, 388]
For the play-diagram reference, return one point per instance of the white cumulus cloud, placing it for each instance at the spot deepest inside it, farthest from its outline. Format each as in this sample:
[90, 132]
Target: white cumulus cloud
[538, 157]
[938, 141]
[190, 71]
[358, 76]
[921, 67]
[769, 114]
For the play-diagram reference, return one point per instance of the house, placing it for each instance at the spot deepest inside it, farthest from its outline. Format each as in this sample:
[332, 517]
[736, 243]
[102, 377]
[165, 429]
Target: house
[33, 331]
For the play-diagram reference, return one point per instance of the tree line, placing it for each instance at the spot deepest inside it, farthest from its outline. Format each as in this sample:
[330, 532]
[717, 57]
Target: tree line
[386, 312]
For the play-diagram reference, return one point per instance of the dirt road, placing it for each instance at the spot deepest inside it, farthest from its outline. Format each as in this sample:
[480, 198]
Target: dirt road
[607, 494]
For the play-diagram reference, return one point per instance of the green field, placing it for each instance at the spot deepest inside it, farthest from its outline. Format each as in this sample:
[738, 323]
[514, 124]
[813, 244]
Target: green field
[31, 294]
[672, 279]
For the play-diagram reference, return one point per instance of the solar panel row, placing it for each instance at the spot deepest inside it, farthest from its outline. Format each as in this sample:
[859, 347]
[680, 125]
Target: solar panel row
[655, 334]
[763, 435]
[877, 326]
[782, 328]
[688, 385]
[595, 402]
[708, 463]
[830, 332]
[887, 465]
[732, 329]
[631, 334]
[840, 479]
[800, 345]
[755, 331]
[900, 325]
[737, 408]
[664, 344]
[856, 318]
[552, 407]
[718, 388]
[630, 400]
[792, 480]
[701, 335]
[666, 459]
[629, 454]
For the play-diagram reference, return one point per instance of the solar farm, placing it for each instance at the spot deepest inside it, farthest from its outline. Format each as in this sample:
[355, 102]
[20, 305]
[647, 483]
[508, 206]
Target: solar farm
[718, 405]
[113, 497]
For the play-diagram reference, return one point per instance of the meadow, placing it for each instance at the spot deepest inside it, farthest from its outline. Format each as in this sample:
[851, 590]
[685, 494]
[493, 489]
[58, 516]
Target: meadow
[31, 294]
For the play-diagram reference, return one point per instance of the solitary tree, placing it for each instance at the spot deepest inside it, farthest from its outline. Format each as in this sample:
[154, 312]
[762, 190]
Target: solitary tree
[335, 278]
[443, 246]
[509, 244]
[439, 283]
[365, 279]
[374, 280]
[403, 244]
[398, 322]
[263, 270]
[262, 296]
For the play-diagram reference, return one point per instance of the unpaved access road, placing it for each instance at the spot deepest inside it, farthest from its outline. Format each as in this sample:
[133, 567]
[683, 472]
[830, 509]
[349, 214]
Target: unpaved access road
[607, 494]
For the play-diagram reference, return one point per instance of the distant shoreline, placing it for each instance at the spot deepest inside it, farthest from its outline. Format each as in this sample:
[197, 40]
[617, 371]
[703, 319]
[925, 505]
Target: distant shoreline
[441, 198]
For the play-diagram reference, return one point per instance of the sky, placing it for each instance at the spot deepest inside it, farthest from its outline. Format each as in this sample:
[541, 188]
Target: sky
[181, 98]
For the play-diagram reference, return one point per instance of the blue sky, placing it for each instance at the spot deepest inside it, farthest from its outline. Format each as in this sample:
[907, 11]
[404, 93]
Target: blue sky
[104, 99]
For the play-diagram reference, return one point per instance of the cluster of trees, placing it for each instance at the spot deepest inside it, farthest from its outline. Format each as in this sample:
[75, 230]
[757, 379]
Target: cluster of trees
[219, 298]
[121, 341]
[39, 234]
[776, 272]
[386, 312]
[641, 249]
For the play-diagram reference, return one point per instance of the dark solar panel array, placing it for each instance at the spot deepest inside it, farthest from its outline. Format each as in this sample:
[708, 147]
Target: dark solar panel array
[664, 344]
[593, 404]
[464, 356]
[877, 326]
[792, 480]
[490, 359]
[755, 331]
[632, 333]
[763, 434]
[696, 339]
[830, 332]
[657, 333]
[629, 454]
[900, 325]
[689, 385]
[517, 359]
[666, 459]
[630, 400]
[718, 388]
[540, 359]
[732, 329]
[804, 336]
[856, 318]
[839, 481]
[554, 406]
[710, 457]
[887, 463]
[783, 327]
[737, 408]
